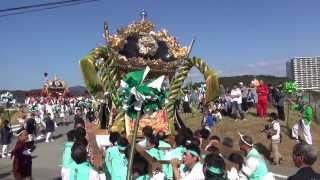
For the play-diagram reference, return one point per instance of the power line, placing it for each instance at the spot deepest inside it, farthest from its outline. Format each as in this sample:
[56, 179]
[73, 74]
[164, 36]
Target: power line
[38, 5]
[48, 8]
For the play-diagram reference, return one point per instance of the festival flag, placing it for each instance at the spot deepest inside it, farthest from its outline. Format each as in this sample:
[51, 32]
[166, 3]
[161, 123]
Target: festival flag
[290, 87]
[137, 95]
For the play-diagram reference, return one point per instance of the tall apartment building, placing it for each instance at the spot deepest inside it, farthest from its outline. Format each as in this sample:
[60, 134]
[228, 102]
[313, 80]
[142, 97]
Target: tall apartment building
[305, 71]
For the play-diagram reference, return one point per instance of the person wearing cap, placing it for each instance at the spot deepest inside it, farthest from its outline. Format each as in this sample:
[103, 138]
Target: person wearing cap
[304, 123]
[254, 167]
[191, 167]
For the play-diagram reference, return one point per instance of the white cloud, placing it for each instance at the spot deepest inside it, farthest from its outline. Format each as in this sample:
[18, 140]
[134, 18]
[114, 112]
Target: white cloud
[271, 67]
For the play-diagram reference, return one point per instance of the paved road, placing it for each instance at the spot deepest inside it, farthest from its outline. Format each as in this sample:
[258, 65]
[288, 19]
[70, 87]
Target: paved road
[47, 159]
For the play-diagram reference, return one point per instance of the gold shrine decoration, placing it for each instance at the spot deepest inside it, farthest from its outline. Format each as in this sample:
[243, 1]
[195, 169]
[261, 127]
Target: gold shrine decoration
[135, 29]
[103, 67]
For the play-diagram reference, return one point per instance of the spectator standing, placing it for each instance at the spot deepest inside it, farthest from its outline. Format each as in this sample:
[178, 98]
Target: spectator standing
[22, 161]
[78, 120]
[31, 127]
[250, 99]
[236, 102]
[6, 135]
[244, 94]
[90, 115]
[50, 126]
[262, 106]
[279, 99]
[222, 92]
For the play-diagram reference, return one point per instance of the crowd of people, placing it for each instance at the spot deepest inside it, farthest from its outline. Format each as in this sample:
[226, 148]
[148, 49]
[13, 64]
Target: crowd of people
[201, 154]
[43, 116]
[188, 155]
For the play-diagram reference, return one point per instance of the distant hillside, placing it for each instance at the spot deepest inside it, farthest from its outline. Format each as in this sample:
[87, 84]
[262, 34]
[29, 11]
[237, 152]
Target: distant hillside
[246, 79]
[77, 90]
[21, 95]
[226, 81]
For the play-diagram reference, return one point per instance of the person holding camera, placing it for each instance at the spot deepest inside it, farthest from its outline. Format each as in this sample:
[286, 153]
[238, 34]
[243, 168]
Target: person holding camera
[273, 132]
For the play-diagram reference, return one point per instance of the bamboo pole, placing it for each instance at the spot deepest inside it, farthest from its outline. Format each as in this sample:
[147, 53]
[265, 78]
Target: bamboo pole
[287, 116]
[132, 148]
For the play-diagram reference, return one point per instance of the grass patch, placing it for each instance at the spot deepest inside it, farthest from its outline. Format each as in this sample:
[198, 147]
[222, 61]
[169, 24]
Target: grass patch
[11, 115]
[252, 127]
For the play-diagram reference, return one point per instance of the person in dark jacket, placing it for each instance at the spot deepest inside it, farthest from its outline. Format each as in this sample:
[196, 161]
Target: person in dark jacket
[21, 155]
[304, 156]
[90, 115]
[6, 135]
[31, 127]
[78, 120]
[280, 99]
[50, 126]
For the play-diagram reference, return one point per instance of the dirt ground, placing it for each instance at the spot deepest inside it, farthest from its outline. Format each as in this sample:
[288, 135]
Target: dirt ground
[252, 126]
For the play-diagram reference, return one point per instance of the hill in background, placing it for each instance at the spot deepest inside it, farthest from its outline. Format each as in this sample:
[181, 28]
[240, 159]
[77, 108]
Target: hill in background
[246, 79]
[20, 95]
[226, 81]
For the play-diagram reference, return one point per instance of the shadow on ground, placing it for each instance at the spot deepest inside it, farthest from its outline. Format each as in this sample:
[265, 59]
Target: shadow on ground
[3, 175]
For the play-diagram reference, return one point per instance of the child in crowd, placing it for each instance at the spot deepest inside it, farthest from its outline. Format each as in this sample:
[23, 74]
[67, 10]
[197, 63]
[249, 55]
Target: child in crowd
[208, 120]
[274, 134]
[216, 115]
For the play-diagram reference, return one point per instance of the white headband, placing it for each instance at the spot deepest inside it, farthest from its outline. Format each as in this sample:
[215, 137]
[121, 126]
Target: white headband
[244, 141]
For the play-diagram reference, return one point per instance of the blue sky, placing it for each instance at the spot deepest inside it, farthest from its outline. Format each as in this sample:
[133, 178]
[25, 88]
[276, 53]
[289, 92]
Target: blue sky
[234, 37]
